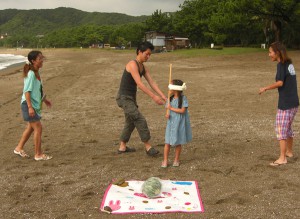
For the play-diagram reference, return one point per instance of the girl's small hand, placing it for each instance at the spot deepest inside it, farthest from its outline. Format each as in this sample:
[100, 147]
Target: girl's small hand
[48, 103]
[31, 112]
[167, 115]
[169, 106]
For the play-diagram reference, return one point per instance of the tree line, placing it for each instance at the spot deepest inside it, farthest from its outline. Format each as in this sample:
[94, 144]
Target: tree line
[224, 22]
[232, 22]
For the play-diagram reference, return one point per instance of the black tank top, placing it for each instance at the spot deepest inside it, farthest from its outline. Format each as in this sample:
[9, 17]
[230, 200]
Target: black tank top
[128, 85]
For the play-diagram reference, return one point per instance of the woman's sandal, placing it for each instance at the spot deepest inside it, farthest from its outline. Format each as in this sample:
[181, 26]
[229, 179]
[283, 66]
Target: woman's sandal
[43, 157]
[21, 153]
[176, 164]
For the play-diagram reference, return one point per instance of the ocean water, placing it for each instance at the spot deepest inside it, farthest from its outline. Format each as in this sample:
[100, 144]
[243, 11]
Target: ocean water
[7, 60]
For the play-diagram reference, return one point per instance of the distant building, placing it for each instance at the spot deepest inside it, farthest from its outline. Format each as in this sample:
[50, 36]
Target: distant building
[157, 39]
[162, 41]
[174, 42]
[2, 36]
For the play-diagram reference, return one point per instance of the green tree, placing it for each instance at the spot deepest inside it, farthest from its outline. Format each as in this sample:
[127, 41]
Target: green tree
[131, 33]
[160, 22]
[277, 16]
[82, 36]
[230, 26]
[193, 20]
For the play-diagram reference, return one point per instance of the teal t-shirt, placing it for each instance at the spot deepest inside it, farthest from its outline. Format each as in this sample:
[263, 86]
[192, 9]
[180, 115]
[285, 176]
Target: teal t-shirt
[33, 85]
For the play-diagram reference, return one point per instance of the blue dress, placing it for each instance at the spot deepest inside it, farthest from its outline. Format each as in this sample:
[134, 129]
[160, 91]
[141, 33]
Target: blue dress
[178, 129]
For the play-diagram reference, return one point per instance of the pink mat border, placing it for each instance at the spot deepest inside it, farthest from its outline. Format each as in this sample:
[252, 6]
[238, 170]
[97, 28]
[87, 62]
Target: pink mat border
[155, 212]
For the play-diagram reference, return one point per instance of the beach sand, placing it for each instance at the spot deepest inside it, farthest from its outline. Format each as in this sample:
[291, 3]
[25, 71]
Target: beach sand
[233, 137]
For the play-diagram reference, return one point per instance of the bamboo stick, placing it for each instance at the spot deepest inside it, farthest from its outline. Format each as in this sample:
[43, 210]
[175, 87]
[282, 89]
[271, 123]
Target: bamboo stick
[170, 80]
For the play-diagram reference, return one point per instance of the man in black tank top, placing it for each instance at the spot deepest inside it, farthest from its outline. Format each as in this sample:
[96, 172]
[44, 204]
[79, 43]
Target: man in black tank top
[126, 99]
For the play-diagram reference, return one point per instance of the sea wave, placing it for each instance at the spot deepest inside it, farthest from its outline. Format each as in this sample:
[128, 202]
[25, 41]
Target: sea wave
[7, 60]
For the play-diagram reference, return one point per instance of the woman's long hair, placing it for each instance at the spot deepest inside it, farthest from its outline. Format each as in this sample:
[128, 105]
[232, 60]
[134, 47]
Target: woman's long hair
[179, 83]
[280, 49]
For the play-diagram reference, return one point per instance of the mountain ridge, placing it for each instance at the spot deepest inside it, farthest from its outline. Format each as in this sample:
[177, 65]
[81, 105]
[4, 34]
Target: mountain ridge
[42, 21]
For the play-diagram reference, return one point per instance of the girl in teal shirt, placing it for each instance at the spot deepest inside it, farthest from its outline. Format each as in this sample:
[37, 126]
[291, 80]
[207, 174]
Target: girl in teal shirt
[31, 102]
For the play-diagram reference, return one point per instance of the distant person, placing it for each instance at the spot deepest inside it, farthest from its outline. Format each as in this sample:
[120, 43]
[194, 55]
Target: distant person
[31, 104]
[126, 99]
[288, 102]
[178, 131]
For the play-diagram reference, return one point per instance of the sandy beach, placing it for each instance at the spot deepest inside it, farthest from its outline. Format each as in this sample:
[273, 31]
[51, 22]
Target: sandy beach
[233, 137]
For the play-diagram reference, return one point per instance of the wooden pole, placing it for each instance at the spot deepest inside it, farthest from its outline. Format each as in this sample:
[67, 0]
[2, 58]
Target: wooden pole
[170, 80]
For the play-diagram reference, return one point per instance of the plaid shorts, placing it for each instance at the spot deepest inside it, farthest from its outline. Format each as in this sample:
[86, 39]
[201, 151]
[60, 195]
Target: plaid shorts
[283, 124]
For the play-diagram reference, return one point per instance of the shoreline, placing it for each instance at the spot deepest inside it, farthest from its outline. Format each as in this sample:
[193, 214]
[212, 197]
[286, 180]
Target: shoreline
[12, 69]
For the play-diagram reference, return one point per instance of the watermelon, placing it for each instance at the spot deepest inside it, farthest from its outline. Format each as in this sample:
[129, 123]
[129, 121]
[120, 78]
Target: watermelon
[151, 187]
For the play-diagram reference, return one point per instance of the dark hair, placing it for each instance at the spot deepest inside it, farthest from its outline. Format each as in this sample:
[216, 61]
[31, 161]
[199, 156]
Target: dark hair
[280, 49]
[31, 56]
[144, 46]
[179, 83]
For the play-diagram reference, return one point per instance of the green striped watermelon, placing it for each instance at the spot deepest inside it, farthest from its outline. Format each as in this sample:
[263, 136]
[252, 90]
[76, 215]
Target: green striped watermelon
[151, 187]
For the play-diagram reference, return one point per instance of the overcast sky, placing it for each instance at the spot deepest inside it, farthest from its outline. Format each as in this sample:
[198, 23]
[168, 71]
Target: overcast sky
[129, 7]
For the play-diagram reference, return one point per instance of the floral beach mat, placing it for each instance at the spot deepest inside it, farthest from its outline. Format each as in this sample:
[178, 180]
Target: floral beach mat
[176, 196]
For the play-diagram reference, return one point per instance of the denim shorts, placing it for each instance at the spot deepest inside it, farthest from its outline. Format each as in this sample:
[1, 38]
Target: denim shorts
[25, 112]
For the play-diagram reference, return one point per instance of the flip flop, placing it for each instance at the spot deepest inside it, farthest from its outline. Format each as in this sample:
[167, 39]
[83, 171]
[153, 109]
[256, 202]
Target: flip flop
[43, 157]
[21, 153]
[274, 164]
[176, 164]
[127, 150]
[152, 152]
[164, 165]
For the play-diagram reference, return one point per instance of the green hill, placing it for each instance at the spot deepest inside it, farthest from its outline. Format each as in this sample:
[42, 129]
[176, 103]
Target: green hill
[43, 21]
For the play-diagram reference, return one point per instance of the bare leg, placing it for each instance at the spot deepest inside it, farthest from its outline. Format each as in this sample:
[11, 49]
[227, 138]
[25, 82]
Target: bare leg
[37, 127]
[289, 151]
[25, 136]
[166, 155]
[177, 154]
[283, 148]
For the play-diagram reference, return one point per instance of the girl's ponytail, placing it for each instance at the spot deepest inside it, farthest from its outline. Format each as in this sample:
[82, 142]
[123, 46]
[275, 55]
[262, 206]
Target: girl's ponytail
[26, 69]
[29, 65]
